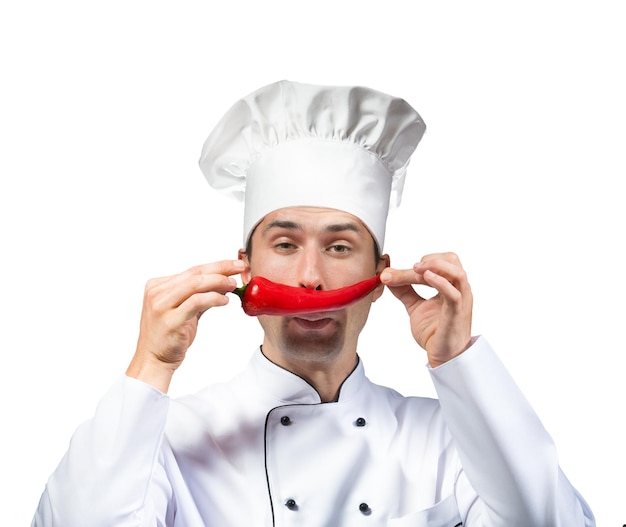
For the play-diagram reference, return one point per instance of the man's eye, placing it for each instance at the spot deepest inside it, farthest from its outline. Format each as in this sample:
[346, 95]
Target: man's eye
[341, 249]
[284, 245]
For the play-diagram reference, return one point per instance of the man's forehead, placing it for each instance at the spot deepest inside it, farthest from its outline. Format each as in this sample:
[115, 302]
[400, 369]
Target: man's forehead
[299, 218]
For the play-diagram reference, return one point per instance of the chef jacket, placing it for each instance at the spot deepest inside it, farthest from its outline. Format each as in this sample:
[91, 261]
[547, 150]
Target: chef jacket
[263, 450]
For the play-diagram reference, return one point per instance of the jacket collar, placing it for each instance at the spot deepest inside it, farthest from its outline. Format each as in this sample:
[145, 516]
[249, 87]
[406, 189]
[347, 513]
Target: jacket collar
[289, 388]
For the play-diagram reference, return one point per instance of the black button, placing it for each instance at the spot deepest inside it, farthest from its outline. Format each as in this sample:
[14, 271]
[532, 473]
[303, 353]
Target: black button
[360, 421]
[285, 421]
[365, 508]
[291, 504]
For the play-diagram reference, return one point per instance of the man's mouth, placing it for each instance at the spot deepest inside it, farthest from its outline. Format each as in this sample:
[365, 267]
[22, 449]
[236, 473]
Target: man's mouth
[313, 321]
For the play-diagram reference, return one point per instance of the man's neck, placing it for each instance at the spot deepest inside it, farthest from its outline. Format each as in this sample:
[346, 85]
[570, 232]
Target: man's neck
[326, 376]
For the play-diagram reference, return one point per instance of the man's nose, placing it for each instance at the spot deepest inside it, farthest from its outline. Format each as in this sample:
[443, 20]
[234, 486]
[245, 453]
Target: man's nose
[310, 271]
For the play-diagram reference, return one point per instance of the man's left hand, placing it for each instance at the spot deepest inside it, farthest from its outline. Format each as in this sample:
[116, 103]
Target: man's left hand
[441, 324]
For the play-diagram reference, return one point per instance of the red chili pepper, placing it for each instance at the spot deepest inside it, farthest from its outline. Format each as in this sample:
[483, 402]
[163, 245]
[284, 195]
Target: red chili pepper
[264, 297]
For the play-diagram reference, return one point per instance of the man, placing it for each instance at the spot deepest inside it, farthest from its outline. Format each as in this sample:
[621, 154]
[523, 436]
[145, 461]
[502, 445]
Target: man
[302, 437]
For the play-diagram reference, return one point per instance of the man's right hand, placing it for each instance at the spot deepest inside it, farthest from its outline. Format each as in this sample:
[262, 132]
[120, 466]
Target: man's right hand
[172, 306]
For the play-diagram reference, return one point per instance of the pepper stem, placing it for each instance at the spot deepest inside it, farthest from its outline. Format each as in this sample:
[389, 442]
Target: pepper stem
[239, 291]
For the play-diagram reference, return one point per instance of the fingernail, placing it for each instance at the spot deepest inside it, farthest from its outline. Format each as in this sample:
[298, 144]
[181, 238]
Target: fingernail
[385, 275]
[239, 265]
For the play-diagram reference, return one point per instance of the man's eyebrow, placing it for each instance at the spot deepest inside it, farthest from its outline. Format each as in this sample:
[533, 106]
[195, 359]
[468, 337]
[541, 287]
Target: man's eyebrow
[348, 226]
[283, 224]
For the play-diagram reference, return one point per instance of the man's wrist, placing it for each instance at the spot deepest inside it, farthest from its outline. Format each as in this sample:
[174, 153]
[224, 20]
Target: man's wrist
[152, 372]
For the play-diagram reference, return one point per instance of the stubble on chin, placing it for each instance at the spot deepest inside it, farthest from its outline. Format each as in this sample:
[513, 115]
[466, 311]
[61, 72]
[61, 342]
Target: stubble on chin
[312, 345]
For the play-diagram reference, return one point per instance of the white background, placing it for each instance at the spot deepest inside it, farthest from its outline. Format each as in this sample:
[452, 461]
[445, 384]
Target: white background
[105, 106]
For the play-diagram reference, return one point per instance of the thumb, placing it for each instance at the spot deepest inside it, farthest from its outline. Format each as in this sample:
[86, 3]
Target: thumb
[402, 290]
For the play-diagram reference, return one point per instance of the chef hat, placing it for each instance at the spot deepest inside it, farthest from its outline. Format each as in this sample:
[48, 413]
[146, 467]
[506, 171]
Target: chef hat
[291, 144]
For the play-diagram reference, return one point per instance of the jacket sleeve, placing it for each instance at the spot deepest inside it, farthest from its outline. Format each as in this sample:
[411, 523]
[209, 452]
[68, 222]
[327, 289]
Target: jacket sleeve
[507, 455]
[110, 475]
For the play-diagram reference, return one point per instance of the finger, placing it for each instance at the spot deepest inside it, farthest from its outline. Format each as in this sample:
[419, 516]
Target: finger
[171, 292]
[450, 269]
[198, 304]
[400, 282]
[407, 295]
[444, 287]
[445, 256]
[400, 277]
[173, 295]
[205, 286]
[224, 267]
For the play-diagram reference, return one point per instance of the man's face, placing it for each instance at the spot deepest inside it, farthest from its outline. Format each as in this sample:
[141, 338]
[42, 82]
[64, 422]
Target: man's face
[315, 248]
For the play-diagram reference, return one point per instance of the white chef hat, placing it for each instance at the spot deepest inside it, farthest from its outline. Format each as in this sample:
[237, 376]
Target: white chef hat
[291, 144]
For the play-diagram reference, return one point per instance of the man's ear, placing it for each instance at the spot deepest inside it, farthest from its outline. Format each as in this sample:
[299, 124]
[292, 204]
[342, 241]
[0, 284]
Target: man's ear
[383, 263]
[243, 256]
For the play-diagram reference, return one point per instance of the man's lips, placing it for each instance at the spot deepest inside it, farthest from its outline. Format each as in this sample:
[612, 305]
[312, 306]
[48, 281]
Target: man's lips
[313, 321]
[312, 317]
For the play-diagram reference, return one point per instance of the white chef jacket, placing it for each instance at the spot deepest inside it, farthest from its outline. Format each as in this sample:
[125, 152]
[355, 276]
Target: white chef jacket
[263, 450]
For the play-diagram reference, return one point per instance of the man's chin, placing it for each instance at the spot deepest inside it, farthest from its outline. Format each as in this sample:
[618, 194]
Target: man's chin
[313, 338]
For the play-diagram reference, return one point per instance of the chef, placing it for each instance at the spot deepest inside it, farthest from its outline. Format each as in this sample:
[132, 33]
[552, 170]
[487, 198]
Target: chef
[301, 437]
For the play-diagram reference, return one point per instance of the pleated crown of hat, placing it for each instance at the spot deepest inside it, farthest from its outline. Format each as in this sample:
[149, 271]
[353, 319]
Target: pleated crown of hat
[290, 144]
